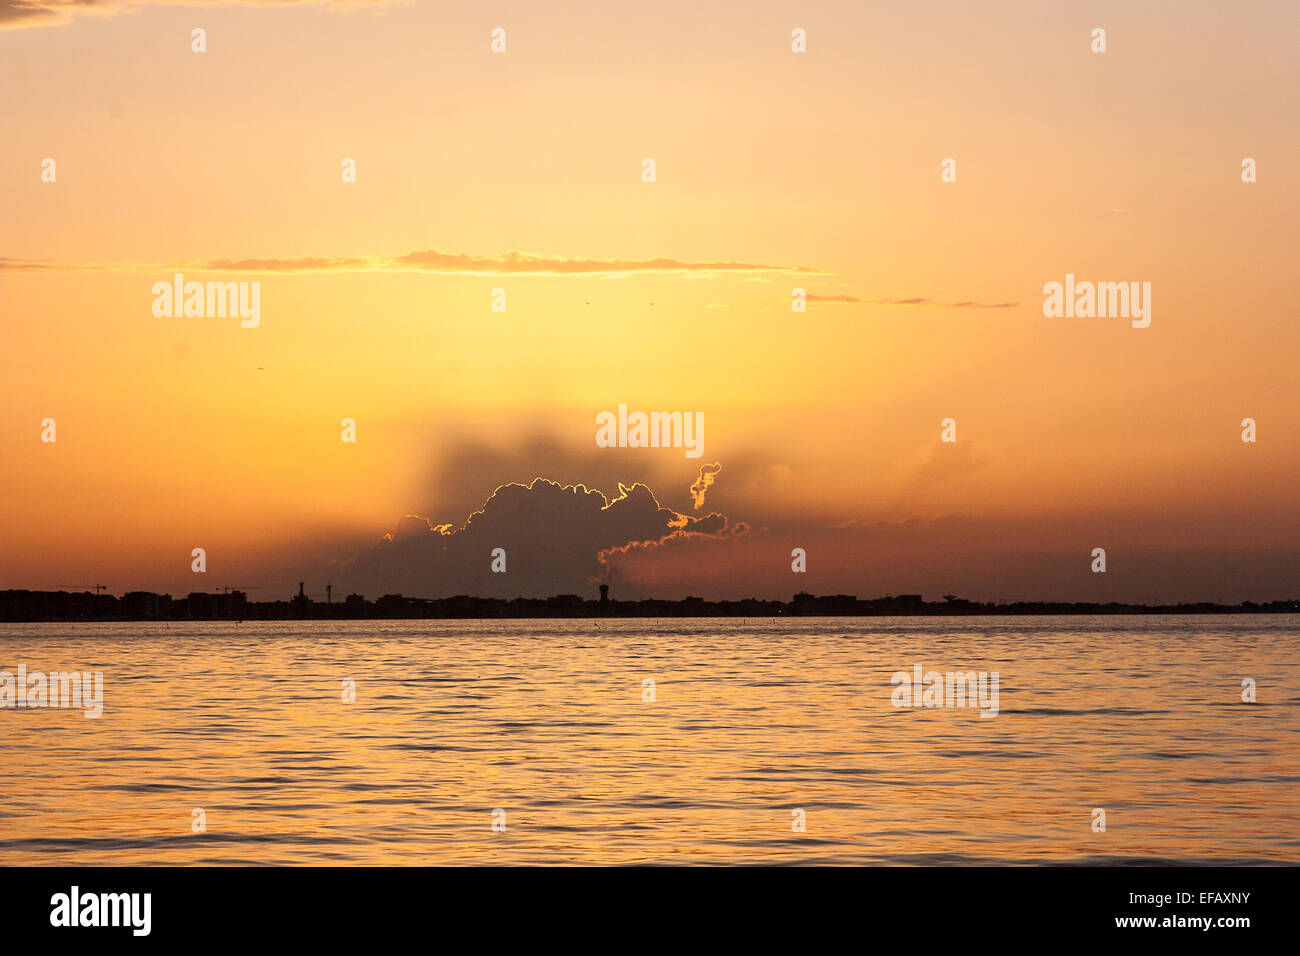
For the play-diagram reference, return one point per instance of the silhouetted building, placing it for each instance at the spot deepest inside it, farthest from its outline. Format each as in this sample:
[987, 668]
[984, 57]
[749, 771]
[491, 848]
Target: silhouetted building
[200, 606]
[145, 604]
[301, 603]
[197, 605]
[234, 605]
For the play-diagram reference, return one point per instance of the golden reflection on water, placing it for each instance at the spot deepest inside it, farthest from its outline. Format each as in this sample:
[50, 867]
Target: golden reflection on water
[1141, 717]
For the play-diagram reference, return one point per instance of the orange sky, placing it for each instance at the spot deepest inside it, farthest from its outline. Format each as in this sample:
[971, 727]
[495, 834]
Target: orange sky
[775, 170]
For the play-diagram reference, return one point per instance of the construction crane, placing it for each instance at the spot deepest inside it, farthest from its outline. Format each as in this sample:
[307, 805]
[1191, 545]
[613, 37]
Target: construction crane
[82, 587]
[227, 588]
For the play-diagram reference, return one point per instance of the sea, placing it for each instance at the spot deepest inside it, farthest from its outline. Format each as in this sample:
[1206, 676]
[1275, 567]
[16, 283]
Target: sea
[1116, 740]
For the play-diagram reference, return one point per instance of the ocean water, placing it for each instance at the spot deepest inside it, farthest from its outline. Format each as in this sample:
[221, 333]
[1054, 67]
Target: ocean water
[750, 722]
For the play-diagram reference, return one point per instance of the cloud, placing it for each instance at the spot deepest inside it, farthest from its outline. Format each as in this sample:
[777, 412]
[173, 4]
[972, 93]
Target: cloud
[519, 263]
[41, 13]
[947, 460]
[24, 12]
[424, 261]
[707, 475]
[298, 264]
[857, 300]
[556, 538]
[712, 527]
[462, 465]
[26, 265]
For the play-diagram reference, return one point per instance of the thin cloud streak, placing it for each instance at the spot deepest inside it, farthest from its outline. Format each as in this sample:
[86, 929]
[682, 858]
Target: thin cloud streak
[15, 14]
[425, 261]
[857, 300]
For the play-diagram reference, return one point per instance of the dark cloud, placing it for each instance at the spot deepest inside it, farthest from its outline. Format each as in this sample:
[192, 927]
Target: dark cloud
[555, 537]
[462, 467]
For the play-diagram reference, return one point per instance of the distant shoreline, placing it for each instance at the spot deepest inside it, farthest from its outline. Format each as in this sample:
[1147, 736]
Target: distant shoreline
[67, 606]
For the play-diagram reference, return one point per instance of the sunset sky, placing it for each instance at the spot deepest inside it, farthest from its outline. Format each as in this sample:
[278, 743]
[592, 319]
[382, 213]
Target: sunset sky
[775, 170]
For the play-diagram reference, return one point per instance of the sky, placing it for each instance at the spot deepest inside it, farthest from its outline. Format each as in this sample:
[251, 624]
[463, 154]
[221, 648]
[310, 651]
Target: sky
[523, 171]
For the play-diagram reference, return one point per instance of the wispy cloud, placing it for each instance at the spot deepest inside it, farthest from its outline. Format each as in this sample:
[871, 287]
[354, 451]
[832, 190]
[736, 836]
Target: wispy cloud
[708, 474]
[425, 260]
[48, 13]
[27, 265]
[858, 300]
